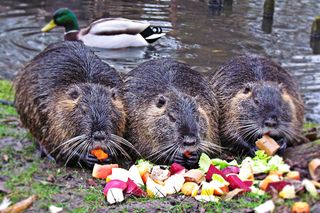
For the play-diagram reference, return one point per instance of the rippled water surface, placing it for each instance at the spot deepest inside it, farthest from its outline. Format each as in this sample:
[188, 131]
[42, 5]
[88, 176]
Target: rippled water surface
[197, 34]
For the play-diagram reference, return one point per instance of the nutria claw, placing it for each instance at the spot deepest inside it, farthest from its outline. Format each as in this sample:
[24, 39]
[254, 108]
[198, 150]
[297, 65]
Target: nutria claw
[283, 145]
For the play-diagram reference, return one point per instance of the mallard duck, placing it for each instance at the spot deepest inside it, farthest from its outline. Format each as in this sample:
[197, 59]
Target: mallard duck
[108, 33]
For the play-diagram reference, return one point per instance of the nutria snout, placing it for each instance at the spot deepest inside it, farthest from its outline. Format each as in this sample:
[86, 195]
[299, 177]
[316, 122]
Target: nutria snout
[72, 103]
[172, 113]
[257, 97]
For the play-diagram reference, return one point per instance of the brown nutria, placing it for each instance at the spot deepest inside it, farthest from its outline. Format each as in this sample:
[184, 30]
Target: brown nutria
[257, 97]
[172, 112]
[72, 103]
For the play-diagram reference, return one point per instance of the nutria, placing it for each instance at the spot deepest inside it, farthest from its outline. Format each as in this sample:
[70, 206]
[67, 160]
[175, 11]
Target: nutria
[72, 103]
[257, 97]
[172, 112]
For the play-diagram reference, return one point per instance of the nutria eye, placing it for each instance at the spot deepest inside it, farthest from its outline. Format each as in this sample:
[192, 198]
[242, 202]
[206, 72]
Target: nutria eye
[74, 94]
[172, 118]
[246, 90]
[256, 101]
[161, 102]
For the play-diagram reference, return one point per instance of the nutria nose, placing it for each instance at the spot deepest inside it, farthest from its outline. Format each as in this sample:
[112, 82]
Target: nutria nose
[271, 121]
[189, 140]
[99, 136]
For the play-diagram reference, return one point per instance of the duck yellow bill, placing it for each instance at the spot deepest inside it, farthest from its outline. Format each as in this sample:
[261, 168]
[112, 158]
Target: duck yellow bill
[49, 26]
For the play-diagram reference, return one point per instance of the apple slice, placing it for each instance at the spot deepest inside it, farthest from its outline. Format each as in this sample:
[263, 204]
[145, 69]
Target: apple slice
[288, 192]
[118, 174]
[154, 189]
[207, 189]
[176, 168]
[268, 206]
[114, 184]
[135, 175]
[293, 175]
[194, 175]
[246, 172]
[174, 184]
[103, 171]
[115, 195]
[190, 188]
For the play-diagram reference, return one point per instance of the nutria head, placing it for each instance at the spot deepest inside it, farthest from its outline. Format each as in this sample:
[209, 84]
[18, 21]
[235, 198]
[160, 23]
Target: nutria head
[175, 128]
[86, 116]
[263, 107]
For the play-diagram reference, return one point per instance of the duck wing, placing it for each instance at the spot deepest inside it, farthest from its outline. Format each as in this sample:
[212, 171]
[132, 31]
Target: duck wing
[115, 26]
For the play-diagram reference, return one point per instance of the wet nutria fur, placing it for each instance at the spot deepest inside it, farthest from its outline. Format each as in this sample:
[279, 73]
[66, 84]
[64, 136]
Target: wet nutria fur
[257, 97]
[71, 102]
[172, 112]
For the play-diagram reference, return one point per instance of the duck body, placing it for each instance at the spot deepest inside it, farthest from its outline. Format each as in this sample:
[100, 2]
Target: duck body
[110, 33]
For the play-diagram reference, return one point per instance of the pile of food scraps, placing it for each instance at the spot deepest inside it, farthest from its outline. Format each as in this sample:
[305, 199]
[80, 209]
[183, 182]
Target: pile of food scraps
[215, 180]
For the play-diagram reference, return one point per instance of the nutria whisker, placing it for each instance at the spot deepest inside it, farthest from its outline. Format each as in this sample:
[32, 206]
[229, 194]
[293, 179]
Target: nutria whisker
[172, 152]
[68, 142]
[124, 142]
[119, 148]
[160, 151]
[67, 148]
[74, 152]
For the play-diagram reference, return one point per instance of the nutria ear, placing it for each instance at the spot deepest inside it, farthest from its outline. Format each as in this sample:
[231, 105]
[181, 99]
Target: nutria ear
[161, 101]
[114, 93]
[73, 93]
[247, 89]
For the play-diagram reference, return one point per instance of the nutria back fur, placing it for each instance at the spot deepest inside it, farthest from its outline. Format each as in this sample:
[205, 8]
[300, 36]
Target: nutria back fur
[171, 111]
[257, 97]
[71, 102]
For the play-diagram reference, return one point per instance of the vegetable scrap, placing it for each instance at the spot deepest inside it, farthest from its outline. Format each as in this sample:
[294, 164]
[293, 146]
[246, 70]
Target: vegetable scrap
[215, 180]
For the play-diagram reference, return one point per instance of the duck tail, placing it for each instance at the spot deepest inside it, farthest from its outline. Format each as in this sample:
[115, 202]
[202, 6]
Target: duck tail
[151, 34]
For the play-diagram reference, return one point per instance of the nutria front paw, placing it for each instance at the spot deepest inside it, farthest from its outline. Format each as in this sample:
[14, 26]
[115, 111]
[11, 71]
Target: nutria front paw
[283, 142]
[187, 161]
[252, 151]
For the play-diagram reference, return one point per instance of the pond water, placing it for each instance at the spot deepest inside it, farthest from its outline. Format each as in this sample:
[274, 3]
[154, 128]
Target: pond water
[197, 34]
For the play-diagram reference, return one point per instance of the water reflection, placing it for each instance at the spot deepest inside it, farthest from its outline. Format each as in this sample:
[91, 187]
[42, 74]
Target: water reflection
[198, 34]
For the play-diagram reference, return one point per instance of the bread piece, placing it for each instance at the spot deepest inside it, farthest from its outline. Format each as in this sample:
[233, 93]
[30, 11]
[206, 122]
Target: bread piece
[267, 144]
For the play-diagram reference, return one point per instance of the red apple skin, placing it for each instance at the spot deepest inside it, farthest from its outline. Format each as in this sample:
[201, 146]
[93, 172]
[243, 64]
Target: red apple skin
[103, 171]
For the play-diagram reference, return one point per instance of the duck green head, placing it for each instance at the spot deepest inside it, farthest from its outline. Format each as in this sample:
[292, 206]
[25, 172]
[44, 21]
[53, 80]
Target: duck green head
[62, 17]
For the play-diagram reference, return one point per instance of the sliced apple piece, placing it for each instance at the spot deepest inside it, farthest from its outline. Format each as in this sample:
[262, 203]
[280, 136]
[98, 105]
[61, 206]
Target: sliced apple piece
[269, 179]
[135, 175]
[114, 184]
[118, 174]
[194, 175]
[293, 175]
[133, 188]
[103, 171]
[174, 184]
[154, 189]
[288, 192]
[176, 168]
[115, 195]
[190, 188]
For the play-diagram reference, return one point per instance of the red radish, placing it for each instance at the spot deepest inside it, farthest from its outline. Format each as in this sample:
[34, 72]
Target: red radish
[175, 168]
[278, 185]
[235, 183]
[230, 169]
[133, 188]
[213, 170]
[114, 184]
[249, 183]
[103, 171]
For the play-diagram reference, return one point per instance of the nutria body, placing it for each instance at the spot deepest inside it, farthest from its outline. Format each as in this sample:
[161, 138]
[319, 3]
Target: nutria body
[172, 112]
[71, 102]
[257, 97]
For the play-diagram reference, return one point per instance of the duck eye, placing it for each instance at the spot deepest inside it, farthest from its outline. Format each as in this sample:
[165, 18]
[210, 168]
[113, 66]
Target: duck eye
[246, 90]
[161, 102]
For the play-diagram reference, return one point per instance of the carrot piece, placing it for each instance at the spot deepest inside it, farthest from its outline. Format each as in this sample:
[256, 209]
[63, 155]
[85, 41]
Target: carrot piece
[99, 154]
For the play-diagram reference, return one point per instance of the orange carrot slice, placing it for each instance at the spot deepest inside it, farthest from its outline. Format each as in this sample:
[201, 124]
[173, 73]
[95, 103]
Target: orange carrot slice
[99, 154]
